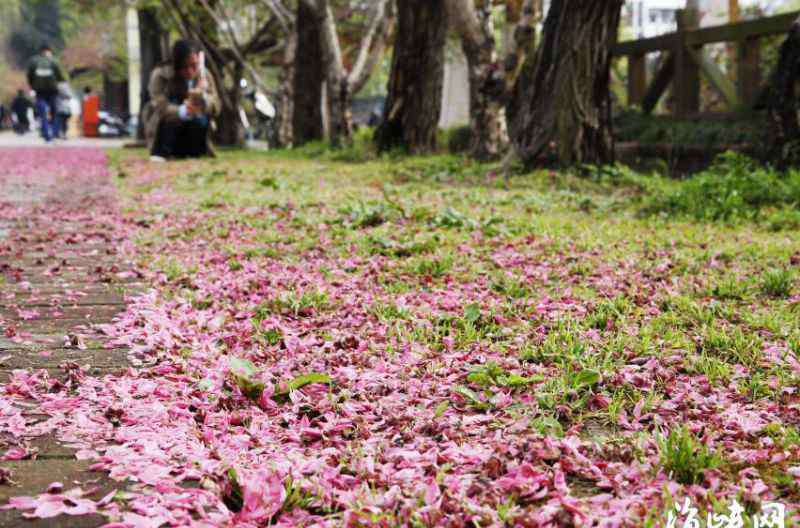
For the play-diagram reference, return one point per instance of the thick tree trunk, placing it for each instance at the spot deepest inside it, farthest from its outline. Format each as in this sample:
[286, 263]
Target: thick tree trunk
[491, 78]
[152, 39]
[565, 103]
[309, 77]
[341, 115]
[780, 100]
[287, 94]
[230, 130]
[414, 102]
[486, 108]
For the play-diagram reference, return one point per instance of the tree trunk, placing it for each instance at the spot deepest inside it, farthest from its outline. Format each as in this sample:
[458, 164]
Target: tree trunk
[309, 77]
[230, 130]
[491, 78]
[287, 94]
[489, 133]
[151, 42]
[487, 114]
[780, 100]
[414, 101]
[339, 104]
[565, 104]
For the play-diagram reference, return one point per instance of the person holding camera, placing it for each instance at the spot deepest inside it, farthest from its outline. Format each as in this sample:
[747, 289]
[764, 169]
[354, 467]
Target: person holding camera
[183, 101]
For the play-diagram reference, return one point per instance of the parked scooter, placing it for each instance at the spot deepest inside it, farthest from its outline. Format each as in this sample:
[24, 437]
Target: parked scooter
[261, 121]
[111, 125]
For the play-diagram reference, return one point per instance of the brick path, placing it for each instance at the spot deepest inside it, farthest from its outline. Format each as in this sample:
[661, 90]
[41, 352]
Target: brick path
[59, 273]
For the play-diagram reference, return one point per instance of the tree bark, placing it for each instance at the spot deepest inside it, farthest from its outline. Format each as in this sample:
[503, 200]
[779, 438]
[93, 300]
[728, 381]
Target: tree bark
[780, 101]
[342, 84]
[414, 101]
[287, 94]
[152, 39]
[564, 104]
[491, 79]
[309, 77]
[230, 130]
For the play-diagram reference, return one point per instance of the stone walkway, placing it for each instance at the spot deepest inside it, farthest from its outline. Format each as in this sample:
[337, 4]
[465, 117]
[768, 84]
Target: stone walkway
[11, 140]
[60, 273]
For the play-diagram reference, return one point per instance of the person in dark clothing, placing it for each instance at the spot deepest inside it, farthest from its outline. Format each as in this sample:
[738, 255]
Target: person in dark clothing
[44, 74]
[19, 107]
[182, 103]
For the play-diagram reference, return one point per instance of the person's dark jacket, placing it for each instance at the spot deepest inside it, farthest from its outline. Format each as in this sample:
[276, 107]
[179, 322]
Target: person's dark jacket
[20, 105]
[44, 74]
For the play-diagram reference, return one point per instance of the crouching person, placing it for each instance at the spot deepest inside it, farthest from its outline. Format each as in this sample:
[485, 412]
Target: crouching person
[182, 103]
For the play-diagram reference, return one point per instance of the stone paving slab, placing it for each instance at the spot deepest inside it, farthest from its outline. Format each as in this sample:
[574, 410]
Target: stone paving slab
[34, 476]
[84, 312]
[35, 359]
[58, 373]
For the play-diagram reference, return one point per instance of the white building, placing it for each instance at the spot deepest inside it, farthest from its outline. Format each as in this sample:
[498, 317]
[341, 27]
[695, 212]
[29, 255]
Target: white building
[650, 18]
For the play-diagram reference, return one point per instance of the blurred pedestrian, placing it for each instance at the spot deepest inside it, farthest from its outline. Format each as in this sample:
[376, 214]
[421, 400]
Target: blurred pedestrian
[44, 74]
[63, 110]
[20, 106]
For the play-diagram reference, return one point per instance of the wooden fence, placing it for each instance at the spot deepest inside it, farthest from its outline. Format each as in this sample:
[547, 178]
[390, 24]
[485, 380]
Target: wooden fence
[683, 61]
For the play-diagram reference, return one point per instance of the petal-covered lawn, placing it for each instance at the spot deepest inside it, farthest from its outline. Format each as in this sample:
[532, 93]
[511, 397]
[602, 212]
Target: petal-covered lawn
[409, 344]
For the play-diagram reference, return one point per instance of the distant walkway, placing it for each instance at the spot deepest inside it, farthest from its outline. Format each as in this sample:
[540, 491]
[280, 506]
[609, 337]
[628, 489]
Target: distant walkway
[32, 139]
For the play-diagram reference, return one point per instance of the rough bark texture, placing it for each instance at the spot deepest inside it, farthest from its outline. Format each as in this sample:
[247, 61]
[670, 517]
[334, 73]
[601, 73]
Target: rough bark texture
[309, 77]
[414, 101]
[342, 84]
[230, 130]
[490, 77]
[564, 105]
[153, 42]
[287, 94]
[489, 134]
[780, 101]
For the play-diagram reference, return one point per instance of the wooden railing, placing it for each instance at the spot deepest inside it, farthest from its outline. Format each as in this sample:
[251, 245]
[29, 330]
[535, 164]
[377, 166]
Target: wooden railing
[683, 61]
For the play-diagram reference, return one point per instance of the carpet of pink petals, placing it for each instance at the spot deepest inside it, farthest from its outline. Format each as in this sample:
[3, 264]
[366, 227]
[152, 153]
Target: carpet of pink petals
[389, 442]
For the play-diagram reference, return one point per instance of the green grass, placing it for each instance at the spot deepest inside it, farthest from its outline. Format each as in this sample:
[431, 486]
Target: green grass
[566, 280]
[685, 457]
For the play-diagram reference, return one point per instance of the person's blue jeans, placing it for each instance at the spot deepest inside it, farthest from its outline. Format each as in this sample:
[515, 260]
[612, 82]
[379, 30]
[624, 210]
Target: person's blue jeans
[46, 111]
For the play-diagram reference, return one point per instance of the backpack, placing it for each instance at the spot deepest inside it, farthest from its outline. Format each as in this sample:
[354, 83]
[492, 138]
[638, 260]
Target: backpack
[44, 74]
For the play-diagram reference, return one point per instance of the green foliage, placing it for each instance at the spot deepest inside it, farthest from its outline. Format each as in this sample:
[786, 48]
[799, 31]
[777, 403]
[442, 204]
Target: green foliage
[777, 283]
[784, 220]
[729, 288]
[283, 389]
[685, 457]
[432, 267]
[364, 215]
[733, 188]
[438, 169]
[493, 375]
[405, 247]
[457, 139]
[572, 389]
[607, 313]
[245, 376]
[298, 303]
[389, 311]
[648, 129]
